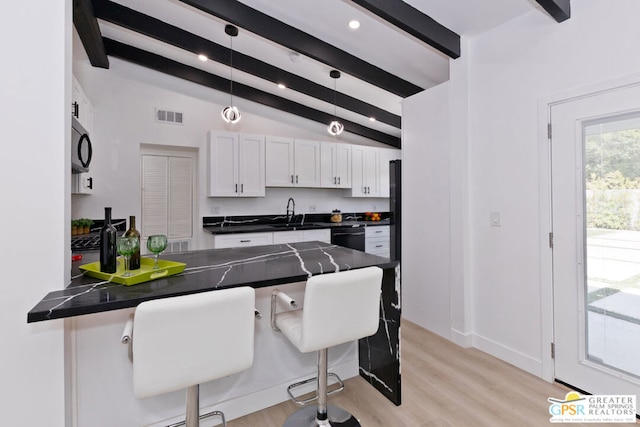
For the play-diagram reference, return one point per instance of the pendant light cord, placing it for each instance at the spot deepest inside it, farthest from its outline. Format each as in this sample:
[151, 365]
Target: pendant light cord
[231, 70]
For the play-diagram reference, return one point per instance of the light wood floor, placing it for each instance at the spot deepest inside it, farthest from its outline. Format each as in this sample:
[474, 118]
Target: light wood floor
[443, 385]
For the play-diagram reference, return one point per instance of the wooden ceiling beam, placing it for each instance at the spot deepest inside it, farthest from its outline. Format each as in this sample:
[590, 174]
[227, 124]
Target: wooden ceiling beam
[159, 30]
[195, 75]
[87, 26]
[412, 21]
[560, 10]
[285, 35]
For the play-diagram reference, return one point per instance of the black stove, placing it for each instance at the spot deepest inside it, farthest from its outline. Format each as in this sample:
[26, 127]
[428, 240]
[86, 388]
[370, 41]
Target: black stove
[91, 241]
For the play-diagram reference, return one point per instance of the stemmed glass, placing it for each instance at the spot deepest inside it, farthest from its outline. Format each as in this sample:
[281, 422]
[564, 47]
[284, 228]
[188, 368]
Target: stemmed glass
[156, 244]
[127, 247]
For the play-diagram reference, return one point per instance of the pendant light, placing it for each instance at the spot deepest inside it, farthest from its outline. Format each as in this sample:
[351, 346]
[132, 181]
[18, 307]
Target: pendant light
[231, 114]
[335, 127]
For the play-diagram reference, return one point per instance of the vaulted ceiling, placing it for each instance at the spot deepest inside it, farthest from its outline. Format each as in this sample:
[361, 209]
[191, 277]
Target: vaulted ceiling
[401, 48]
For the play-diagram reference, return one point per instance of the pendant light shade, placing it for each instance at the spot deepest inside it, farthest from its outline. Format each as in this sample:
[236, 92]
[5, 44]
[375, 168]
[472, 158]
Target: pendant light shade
[335, 128]
[231, 114]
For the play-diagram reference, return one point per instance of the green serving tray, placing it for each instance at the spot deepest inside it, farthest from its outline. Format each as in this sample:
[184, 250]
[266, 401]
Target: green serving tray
[145, 273]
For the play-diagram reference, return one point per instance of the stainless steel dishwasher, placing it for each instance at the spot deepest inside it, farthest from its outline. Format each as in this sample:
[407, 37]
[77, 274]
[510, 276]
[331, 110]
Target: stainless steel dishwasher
[349, 237]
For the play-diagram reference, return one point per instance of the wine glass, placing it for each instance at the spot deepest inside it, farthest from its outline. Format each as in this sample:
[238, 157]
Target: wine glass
[127, 247]
[156, 244]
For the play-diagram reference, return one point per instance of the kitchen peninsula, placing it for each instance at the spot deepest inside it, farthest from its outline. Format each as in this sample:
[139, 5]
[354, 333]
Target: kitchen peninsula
[260, 267]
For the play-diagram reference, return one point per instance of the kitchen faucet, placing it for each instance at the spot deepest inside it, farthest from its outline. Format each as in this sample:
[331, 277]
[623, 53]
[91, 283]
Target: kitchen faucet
[291, 212]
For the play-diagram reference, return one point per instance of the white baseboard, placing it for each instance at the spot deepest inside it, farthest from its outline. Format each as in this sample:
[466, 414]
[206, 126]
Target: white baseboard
[247, 404]
[509, 355]
[462, 339]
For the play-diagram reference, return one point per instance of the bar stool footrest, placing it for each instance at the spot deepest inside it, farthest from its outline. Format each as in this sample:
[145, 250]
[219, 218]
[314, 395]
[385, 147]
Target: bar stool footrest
[201, 417]
[302, 402]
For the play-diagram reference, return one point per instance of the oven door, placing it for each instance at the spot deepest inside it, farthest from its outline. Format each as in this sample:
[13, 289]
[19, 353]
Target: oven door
[81, 149]
[353, 238]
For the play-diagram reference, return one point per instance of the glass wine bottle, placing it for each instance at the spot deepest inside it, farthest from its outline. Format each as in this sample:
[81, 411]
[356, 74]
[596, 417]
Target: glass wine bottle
[108, 253]
[134, 261]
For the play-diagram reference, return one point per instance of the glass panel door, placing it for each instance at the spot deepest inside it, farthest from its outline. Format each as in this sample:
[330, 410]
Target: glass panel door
[612, 247]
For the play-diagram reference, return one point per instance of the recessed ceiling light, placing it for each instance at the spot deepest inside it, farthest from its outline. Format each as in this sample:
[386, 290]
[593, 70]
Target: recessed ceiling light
[281, 86]
[372, 119]
[354, 24]
[202, 57]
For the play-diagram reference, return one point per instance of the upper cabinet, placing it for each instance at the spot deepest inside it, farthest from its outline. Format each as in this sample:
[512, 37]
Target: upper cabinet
[236, 165]
[335, 165]
[292, 163]
[81, 107]
[365, 171]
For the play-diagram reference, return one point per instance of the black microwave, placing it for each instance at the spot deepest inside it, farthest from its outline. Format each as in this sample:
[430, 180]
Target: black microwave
[81, 150]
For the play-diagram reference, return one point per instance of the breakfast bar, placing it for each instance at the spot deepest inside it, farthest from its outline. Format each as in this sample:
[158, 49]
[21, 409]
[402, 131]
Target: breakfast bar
[258, 267]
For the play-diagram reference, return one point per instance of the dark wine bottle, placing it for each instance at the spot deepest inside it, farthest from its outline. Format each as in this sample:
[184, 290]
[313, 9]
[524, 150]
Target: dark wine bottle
[134, 261]
[108, 244]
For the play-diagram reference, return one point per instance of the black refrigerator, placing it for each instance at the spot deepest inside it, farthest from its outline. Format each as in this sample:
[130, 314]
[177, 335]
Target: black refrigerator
[395, 208]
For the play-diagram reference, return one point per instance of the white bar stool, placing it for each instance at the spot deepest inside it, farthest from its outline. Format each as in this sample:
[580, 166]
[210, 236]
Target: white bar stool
[181, 342]
[338, 308]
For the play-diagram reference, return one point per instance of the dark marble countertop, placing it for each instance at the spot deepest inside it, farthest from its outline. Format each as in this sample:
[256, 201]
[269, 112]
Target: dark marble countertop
[270, 223]
[256, 266]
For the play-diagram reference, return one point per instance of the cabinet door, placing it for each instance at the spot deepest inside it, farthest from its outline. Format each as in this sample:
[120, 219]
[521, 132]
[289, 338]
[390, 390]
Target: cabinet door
[328, 178]
[279, 162]
[342, 165]
[223, 165]
[357, 171]
[372, 172]
[322, 235]
[242, 239]
[307, 163]
[386, 155]
[281, 237]
[251, 156]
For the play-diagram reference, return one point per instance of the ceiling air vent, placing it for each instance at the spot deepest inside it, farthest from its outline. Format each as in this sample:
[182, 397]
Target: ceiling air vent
[166, 116]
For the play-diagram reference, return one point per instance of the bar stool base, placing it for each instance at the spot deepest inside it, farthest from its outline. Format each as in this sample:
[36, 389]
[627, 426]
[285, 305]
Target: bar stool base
[306, 417]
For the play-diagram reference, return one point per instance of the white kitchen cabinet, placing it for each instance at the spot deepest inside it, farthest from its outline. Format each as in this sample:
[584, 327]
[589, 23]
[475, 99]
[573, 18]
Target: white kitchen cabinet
[321, 235]
[377, 240]
[365, 171]
[81, 183]
[236, 165]
[292, 163]
[81, 107]
[386, 155]
[280, 237]
[335, 165]
[242, 239]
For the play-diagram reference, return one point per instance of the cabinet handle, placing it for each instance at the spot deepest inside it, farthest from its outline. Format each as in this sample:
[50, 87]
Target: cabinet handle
[236, 187]
[90, 183]
[292, 179]
[245, 241]
[379, 246]
[75, 109]
[296, 179]
[335, 180]
[338, 180]
[242, 188]
[379, 231]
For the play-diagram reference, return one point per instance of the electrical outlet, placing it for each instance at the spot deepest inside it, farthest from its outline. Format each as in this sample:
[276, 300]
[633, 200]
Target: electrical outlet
[312, 208]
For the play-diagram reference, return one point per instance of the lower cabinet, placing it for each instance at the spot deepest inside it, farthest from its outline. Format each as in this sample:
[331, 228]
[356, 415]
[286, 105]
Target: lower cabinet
[242, 239]
[270, 238]
[377, 240]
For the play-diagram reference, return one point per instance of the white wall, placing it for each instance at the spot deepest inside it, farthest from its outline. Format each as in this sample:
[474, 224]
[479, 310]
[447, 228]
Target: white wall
[426, 210]
[124, 98]
[494, 93]
[35, 93]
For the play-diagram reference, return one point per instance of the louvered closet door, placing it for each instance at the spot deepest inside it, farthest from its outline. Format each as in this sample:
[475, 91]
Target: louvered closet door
[167, 196]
